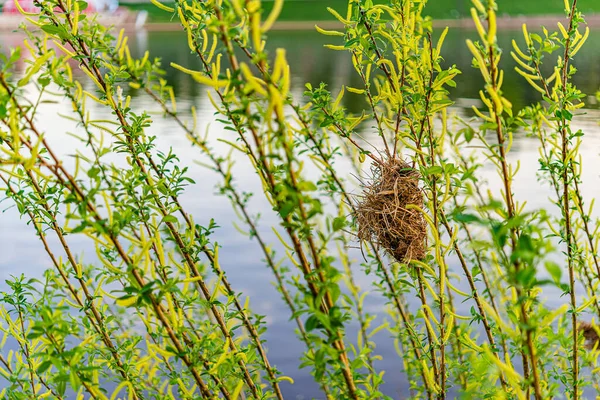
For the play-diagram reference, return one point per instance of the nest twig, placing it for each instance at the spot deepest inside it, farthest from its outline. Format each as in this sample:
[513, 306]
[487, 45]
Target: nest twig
[384, 215]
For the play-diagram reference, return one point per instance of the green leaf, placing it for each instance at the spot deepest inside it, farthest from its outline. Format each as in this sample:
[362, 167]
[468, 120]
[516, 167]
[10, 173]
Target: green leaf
[286, 209]
[51, 29]
[43, 367]
[61, 388]
[44, 81]
[351, 42]
[312, 323]
[59, 31]
[80, 228]
[466, 218]
[34, 334]
[554, 270]
[536, 37]
[169, 218]
[307, 186]
[435, 170]
[334, 291]
[162, 188]
[525, 277]
[338, 223]
[74, 379]
[468, 133]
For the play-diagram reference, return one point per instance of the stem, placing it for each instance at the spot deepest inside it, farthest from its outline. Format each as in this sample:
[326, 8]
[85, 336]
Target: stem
[566, 205]
[510, 204]
[25, 347]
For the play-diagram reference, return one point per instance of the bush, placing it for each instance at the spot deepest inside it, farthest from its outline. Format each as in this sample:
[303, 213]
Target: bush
[155, 316]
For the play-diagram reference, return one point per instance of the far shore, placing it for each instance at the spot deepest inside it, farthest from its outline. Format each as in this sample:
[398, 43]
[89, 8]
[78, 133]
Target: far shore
[503, 22]
[508, 23]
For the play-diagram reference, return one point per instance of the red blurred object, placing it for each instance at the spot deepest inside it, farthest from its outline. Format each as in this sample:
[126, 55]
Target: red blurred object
[28, 6]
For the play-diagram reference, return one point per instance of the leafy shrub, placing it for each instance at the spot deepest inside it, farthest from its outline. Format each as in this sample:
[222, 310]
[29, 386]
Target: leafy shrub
[155, 316]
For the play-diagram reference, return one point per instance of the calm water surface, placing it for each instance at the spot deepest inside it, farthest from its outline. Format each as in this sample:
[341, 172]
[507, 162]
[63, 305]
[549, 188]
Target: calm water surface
[20, 252]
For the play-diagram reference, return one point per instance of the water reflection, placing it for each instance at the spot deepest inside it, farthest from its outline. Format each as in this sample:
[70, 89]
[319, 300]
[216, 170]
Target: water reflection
[20, 251]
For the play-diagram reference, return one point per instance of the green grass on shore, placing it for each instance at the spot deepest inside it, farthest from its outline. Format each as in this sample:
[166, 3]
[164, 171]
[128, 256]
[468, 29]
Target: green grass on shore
[315, 10]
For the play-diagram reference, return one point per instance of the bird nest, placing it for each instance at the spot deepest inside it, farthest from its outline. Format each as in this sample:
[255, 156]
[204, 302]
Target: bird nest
[590, 334]
[384, 215]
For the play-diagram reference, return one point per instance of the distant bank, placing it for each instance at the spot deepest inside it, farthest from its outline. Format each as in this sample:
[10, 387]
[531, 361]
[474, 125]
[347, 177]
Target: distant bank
[504, 22]
[451, 10]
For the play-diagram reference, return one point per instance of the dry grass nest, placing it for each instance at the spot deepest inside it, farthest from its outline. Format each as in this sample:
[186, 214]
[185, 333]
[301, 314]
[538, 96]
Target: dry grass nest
[590, 334]
[383, 213]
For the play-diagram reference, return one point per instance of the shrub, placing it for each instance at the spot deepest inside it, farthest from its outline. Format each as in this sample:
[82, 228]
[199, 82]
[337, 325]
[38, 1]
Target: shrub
[155, 315]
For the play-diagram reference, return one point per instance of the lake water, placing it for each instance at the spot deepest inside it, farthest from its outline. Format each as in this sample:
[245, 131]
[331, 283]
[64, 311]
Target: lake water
[20, 252]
